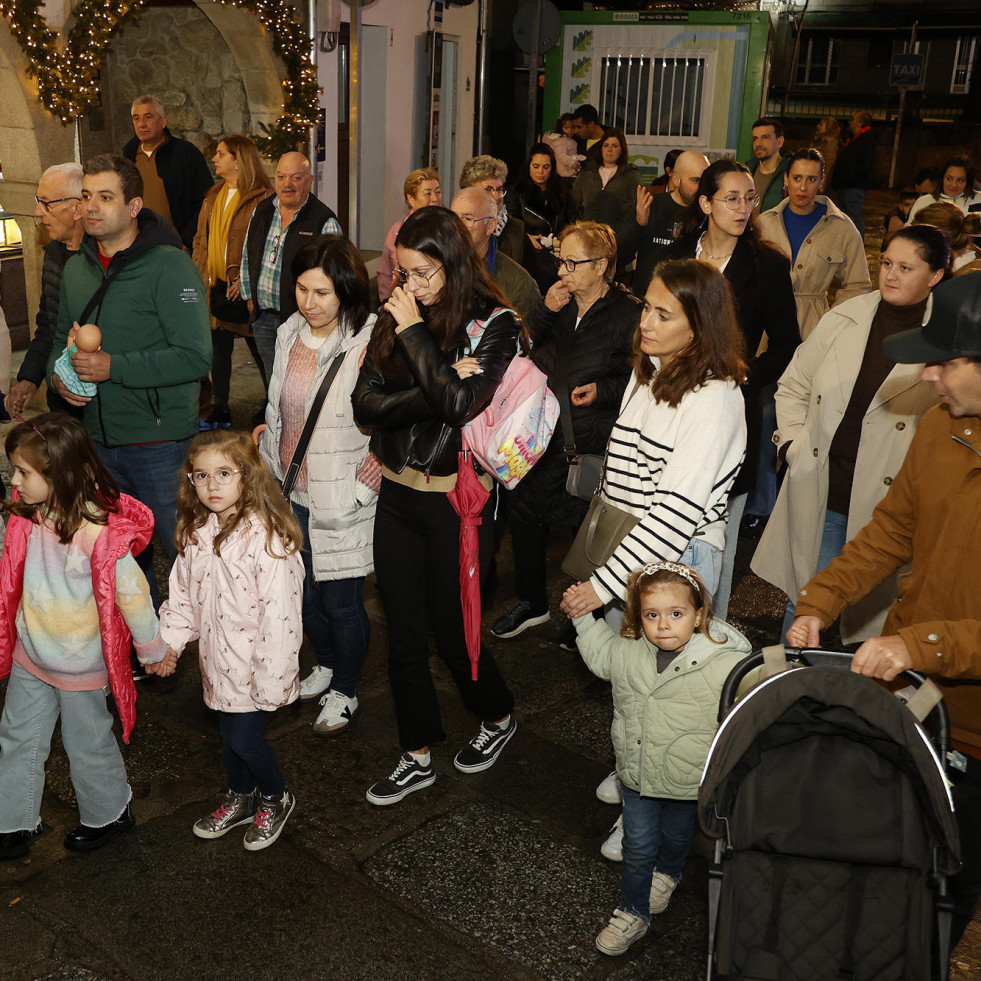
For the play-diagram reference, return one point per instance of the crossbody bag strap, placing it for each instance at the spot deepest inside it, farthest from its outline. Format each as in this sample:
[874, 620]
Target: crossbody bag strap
[293, 471]
[98, 295]
[563, 357]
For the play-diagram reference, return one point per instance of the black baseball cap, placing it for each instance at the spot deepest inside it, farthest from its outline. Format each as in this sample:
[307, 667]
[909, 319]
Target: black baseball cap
[953, 330]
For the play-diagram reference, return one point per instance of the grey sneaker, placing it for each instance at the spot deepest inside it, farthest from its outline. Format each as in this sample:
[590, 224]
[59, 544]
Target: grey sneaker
[270, 817]
[234, 810]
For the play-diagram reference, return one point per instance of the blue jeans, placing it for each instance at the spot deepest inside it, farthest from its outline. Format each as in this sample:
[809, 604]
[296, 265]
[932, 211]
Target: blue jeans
[737, 505]
[98, 773]
[334, 618]
[833, 540]
[657, 834]
[764, 493]
[250, 761]
[851, 200]
[150, 473]
[264, 330]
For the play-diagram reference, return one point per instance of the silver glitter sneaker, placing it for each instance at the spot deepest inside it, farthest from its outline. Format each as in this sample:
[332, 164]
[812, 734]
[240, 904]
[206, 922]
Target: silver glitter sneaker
[269, 820]
[234, 810]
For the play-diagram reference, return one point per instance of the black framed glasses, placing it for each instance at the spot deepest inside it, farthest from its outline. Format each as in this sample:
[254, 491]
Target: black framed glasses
[570, 265]
[47, 204]
[420, 279]
[200, 478]
[735, 201]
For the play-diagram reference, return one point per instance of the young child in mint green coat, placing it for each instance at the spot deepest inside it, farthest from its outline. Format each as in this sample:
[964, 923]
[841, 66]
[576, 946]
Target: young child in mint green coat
[667, 668]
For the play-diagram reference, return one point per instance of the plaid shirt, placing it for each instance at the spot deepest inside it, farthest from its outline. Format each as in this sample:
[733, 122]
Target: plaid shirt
[267, 287]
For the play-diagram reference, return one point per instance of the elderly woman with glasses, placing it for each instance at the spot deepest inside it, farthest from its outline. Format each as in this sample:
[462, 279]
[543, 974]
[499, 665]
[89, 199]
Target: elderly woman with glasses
[718, 228]
[437, 354]
[490, 174]
[582, 339]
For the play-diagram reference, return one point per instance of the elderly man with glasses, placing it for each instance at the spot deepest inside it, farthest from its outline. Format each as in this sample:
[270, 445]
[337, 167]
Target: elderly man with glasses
[59, 193]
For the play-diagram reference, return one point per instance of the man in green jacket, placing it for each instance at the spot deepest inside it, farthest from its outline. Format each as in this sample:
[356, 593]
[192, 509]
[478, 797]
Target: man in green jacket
[768, 164]
[133, 280]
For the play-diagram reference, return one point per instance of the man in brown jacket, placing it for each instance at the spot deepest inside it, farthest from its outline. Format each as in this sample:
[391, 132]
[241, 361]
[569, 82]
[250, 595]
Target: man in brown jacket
[930, 517]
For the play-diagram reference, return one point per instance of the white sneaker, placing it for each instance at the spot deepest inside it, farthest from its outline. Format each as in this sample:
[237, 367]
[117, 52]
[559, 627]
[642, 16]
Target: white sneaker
[623, 930]
[315, 683]
[609, 790]
[336, 713]
[662, 888]
[612, 848]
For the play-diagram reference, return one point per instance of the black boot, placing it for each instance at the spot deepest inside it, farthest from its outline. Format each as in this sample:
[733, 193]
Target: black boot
[86, 839]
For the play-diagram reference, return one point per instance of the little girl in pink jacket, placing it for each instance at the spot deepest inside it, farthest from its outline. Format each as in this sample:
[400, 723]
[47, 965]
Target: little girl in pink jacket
[237, 589]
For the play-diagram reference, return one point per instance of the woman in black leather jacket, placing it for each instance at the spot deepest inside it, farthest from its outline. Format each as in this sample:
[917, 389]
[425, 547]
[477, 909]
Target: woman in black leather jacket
[436, 356]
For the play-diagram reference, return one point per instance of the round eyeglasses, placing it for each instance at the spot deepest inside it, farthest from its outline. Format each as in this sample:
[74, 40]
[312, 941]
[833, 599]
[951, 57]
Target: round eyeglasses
[420, 279]
[736, 201]
[201, 478]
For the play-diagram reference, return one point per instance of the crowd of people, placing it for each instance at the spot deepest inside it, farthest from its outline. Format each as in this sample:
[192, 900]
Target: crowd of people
[721, 364]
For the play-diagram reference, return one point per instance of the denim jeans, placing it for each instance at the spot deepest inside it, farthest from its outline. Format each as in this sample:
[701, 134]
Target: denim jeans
[657, 835]
[851, 200]
[833, 539]
[737, 505]
[150, 473]
[264, 330]
[764, 493]
[250, 761]
[98, 773]
[334, 618]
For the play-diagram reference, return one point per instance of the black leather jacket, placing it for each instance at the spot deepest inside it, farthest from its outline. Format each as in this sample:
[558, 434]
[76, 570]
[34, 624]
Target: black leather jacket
[416, 413]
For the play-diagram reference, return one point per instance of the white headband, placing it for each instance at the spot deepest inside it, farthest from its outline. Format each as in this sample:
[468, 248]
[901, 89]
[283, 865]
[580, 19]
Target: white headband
[677, 568]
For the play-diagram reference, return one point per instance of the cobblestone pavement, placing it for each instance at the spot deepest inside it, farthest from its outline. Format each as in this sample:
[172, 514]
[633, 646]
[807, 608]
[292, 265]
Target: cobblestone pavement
[493, 875]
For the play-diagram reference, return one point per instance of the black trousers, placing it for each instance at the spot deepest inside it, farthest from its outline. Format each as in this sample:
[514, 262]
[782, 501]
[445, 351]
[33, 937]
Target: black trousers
[417, 566]
[222, 343]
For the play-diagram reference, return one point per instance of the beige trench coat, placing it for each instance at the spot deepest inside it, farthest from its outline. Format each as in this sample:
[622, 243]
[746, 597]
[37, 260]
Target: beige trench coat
[811, 399]
[832, 251]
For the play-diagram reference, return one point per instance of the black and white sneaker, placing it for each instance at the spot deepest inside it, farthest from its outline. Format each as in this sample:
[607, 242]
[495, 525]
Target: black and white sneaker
[409, 776]
[482, 751]
[520, 616]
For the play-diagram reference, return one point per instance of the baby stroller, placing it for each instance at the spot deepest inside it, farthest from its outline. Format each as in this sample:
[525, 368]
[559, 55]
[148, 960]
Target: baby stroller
[834, 825]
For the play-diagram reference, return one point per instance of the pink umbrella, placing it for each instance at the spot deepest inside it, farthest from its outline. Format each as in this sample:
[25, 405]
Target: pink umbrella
[468, 499]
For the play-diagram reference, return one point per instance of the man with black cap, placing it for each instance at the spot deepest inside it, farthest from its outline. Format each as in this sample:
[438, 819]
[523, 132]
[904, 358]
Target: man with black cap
[930, 517]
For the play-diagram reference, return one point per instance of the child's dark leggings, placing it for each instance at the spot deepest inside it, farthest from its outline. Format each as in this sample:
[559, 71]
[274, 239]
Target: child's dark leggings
[249, 760]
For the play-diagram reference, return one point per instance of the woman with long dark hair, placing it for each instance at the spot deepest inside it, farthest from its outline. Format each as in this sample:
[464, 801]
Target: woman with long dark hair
[719, 230]
[335, 509]
[436, 357]
[539, 200]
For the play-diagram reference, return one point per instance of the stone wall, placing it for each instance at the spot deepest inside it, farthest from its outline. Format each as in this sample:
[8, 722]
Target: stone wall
[177, 54]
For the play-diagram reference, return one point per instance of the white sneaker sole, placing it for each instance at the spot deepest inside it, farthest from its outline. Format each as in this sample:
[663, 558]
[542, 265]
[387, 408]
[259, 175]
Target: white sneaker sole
[523, 626]
[257, 846]
[335, 730]
[619, 949]
[488, 763]
[395, 798]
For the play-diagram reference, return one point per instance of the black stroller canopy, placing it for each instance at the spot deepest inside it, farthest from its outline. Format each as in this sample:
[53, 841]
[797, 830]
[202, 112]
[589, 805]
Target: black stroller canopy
[824, 763]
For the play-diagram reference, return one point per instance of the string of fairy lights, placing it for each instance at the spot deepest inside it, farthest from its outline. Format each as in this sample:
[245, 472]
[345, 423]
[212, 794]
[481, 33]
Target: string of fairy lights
[67, 82]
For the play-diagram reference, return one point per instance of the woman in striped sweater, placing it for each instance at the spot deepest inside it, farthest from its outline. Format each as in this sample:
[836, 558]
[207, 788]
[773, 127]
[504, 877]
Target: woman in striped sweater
[680, 438]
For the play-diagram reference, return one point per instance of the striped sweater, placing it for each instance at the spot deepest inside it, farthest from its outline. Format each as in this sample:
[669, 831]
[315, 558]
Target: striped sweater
[673, 468]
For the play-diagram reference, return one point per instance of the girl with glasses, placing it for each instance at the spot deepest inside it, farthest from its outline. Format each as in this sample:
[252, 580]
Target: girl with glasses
[236, 589]
[719, 229]
[436, 356]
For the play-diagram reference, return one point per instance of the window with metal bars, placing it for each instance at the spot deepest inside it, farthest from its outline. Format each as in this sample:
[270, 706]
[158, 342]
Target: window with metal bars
[657, 96]
[817, 62]
[964, 55]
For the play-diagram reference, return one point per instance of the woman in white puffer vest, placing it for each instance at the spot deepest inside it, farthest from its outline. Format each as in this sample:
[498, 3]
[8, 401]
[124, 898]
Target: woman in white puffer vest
[337, 485]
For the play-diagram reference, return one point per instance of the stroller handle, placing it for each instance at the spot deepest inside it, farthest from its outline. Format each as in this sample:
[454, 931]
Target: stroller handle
[938, 721]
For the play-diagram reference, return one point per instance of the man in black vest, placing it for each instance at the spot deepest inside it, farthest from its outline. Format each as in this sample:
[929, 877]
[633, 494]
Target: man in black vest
[280, 227]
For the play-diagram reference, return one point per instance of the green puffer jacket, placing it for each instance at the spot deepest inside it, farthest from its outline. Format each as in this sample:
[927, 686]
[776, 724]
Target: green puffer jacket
[155, 328]
[663, 724]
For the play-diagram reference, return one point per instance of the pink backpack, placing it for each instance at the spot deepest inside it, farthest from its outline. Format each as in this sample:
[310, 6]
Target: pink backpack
[509, 437]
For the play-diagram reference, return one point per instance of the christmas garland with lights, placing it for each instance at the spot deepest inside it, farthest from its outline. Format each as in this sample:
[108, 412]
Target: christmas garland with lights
[67, 82]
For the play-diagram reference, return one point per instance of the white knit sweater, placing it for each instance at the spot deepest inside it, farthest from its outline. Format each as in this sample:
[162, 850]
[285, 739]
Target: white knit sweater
[673, 468]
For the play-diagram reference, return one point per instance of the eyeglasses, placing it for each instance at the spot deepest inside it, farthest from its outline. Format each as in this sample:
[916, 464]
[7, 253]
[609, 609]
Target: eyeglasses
[498, 192]
[275, 251]
[201, 478]
[471, 220]
[420, 279]
[735, 201]
[47, 204]
[569, 265]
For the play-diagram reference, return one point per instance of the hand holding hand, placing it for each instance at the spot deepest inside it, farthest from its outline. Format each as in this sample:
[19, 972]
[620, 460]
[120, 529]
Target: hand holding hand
[166, 667]
[583, 394]
[579, 600]
[882, 657]
[19, 397]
